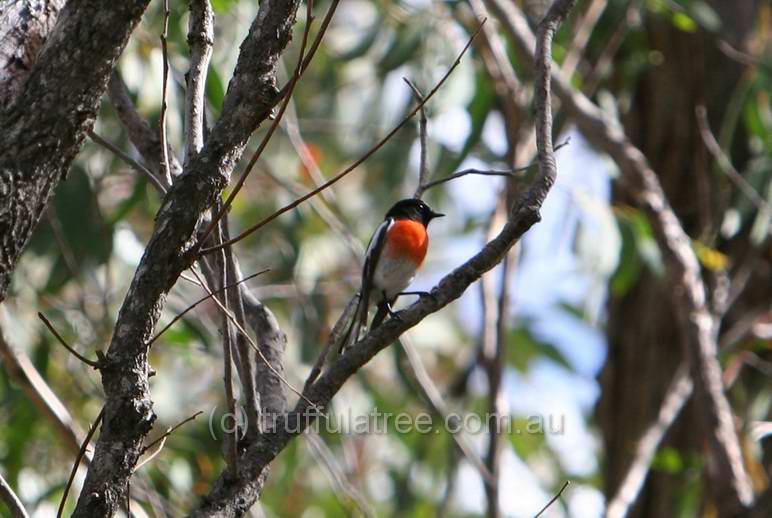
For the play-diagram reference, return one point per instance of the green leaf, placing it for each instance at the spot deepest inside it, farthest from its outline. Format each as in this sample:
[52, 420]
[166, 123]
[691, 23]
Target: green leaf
[683, 22]
[80, 231]
[365, 44]
[406, 42]
[223, 6]
[522, 348]
[215, 89]
[639, 249]
[668, 460]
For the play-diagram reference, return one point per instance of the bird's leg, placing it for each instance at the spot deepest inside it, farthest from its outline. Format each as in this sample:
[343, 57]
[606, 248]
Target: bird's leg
[387, 304]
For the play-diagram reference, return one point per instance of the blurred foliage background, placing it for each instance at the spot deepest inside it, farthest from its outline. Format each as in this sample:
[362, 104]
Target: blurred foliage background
[571, 287]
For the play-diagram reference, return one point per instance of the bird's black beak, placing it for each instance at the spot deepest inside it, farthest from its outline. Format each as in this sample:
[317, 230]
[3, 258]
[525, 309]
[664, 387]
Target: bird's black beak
[436, 215]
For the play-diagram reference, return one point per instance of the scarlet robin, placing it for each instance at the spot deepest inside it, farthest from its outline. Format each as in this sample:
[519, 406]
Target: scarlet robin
[394, 255]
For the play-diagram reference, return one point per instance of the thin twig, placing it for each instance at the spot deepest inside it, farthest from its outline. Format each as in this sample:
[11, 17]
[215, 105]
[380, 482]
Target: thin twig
[315, 45]
[81, 453]
[353, 166]
[510, 173]
[172, 430]
[162, 440]
[264, 143]
[495, 317]
[146, 140]
[165, 172]
[11, 501]
[328, 216]
[423, 163]
[202, 299]
[75, 353]
[724, 163]
[737, 55]
[130, 161]
[553, 499]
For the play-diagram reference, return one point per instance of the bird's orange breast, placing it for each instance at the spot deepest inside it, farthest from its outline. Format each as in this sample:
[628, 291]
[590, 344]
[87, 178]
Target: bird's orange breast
[407, 239]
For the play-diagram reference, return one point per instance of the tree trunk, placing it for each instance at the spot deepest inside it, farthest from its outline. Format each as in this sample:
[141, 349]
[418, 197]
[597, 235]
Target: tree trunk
[49, 100]
[645, 348]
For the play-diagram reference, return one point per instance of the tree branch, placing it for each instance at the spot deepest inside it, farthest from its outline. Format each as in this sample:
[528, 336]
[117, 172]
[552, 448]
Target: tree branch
[165, 170]
[9, 498]
[25, 27]
[201, 41]
[78, 458]
[675, 398]
[141, 135]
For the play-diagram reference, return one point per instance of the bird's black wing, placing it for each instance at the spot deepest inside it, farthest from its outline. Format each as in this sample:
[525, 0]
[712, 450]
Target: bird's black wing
[374, 249]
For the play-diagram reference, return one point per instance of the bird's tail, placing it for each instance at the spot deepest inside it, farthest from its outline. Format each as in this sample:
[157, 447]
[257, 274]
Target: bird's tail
[358, 321]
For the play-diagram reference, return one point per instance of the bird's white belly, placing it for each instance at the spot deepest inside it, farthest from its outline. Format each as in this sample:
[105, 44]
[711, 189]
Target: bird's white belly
[392, 276]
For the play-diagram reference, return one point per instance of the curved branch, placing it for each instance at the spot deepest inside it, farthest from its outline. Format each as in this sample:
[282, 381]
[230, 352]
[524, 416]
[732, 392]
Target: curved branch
[9, 498]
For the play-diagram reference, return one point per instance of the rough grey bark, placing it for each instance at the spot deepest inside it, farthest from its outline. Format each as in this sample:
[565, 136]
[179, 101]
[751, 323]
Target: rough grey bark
[129, 416]
[24, 27]
[43, 126]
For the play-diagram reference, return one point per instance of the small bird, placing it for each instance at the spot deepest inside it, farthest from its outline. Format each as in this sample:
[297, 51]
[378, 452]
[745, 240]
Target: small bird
[394, 254]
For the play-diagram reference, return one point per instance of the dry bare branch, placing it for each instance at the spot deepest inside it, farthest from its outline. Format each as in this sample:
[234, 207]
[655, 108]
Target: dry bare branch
[627, 493]
[90, 363]
[12, 502]
[165, 169]
[554, 499]
[201, 41]
[79, 457]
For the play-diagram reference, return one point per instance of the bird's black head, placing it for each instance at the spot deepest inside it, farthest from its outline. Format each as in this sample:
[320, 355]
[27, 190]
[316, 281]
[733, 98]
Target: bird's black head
[414, 209]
